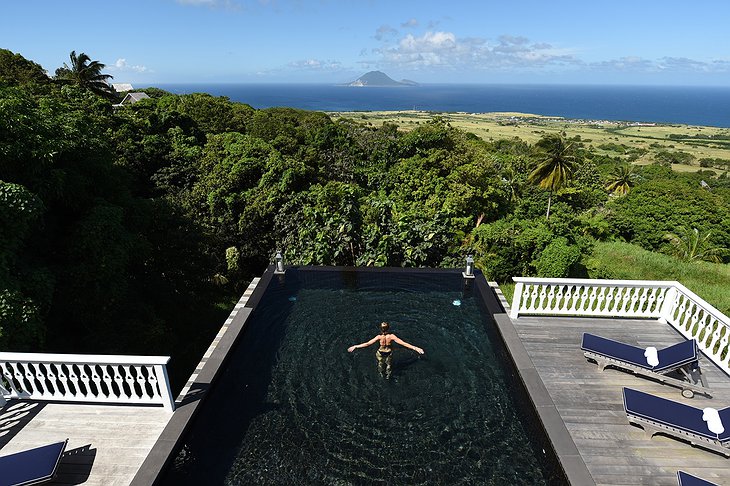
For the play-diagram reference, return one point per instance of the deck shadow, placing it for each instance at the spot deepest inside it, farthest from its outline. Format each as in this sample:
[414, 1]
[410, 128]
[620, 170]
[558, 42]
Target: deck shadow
[15, 415]
[75, 466]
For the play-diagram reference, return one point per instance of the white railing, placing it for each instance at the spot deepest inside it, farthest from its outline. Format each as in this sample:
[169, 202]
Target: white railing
[669, 302]
[86, 378]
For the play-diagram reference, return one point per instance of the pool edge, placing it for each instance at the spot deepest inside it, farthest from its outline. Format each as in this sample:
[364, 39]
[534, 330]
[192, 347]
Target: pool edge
[570, 460]
[199, 384]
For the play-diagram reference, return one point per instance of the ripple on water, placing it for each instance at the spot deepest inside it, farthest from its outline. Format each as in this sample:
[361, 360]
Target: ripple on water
[330, 418]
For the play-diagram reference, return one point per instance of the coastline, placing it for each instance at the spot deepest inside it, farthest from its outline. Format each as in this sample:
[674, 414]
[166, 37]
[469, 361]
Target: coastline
[705, 106]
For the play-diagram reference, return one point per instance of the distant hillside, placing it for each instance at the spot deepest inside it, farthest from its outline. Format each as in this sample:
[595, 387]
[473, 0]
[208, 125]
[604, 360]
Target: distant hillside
[379, 78]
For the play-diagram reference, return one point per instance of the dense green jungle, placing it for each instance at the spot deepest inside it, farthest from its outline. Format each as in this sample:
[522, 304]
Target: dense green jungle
[133, 230]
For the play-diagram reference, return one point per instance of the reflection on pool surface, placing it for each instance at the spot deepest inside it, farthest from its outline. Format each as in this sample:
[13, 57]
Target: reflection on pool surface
[293, 406]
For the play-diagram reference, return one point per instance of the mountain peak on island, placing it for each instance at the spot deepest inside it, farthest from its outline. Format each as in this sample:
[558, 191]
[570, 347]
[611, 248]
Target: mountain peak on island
[379, 78]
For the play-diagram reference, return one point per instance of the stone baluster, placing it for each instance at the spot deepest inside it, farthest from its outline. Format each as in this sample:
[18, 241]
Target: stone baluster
[725, 362]
[142, 382]
[601, 300]
[108, 382]
[533, 297]
[651, 301]
[54, 376]
[40, 380]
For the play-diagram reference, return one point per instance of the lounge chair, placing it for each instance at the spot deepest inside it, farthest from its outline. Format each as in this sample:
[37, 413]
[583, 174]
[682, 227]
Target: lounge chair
[33, 466]
[657, 415]
[682, 357]
[685, 479]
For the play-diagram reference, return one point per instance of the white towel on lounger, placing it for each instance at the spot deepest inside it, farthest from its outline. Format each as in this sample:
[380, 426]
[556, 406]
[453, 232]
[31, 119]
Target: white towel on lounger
[714, 423]
[652, 358]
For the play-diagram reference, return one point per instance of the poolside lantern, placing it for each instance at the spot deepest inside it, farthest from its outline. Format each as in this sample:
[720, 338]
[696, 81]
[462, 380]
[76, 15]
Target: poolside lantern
[279, 262]
[469, 270]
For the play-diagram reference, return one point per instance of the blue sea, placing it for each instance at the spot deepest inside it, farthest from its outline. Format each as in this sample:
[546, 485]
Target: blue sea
[708, 106]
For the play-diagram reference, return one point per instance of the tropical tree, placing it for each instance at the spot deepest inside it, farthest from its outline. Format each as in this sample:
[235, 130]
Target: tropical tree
[512, 182]
[691, 245]
[556, 165]
[621, 180]
[17, 70]
[86, 73]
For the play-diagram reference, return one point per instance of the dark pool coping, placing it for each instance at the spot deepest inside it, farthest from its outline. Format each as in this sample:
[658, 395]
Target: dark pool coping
[567, 453]
[188, 404]
[571, 461]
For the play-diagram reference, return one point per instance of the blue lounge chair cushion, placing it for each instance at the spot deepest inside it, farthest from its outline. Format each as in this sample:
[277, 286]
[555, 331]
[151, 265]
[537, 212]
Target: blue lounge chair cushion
[671, 357]
[679, 354]
[685, 479]
[673, 414]
[32, 466]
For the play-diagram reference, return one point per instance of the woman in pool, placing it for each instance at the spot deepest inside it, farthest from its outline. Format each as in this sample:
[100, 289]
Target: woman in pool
[385, 352]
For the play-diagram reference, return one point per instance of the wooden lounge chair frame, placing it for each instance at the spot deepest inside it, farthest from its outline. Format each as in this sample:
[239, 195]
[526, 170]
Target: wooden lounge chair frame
[687, 385]
[653, 426]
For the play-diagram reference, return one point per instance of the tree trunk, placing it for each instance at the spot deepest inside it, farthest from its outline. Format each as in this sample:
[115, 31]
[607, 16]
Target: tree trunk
[550, 198]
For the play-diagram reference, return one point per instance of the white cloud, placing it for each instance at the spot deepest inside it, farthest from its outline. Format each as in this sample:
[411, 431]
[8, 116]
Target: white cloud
[446, 50]
[409, 23]
[683, 64]
[121, 66]
[316, 65]
[664, 64]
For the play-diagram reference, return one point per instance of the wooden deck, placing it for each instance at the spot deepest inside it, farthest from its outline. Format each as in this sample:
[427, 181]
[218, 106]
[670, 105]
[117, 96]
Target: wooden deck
[106, 443]
[591, 405]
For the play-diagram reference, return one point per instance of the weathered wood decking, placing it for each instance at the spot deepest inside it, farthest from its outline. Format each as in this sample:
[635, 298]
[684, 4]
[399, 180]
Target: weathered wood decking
[107, 443]
[591, 405]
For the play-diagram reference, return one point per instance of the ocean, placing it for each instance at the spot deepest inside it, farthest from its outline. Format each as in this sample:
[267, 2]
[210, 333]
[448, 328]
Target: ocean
[709, 106]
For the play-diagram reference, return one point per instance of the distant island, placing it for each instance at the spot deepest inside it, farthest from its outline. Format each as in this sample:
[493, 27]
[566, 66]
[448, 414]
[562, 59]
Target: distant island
[379, 79]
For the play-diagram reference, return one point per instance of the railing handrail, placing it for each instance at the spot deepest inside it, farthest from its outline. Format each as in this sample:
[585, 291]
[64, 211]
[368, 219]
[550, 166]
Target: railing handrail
[599, 282]
[628, 283]
[100, 359]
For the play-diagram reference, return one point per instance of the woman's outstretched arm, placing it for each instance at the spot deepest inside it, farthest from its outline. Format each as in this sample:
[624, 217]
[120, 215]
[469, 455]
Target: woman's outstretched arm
[407, 345]
[363, 345]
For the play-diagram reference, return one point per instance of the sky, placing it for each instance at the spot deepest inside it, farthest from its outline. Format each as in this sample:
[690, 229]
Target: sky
[335, 41]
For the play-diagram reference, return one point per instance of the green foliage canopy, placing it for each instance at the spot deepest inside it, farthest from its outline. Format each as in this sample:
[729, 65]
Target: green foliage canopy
[128, 230]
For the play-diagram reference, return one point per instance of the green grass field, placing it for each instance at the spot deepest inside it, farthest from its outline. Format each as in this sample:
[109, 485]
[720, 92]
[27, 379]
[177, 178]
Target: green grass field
[594, 133]
[710, 281]
[624, 261]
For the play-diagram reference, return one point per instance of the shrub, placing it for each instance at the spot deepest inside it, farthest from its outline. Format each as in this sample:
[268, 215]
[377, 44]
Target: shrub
[556, 259]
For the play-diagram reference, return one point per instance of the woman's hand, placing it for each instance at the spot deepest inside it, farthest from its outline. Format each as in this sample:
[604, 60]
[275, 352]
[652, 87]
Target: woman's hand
[418, 350]
[351, 349]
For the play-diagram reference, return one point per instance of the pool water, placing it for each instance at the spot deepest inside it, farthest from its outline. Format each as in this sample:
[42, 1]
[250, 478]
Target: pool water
[293, 406]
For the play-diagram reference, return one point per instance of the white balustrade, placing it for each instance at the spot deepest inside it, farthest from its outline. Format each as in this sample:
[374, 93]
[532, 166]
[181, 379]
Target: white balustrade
[667, 301]
[86, 378]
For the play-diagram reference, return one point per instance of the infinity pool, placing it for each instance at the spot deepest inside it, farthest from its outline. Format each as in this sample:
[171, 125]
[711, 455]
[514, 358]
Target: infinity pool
[292, 406]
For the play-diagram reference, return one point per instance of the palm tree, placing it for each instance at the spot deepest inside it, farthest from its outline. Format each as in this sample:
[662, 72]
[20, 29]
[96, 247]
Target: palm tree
[87, 74]
[511, 180]
[621, 180]
[555, 169]
[692, 246]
